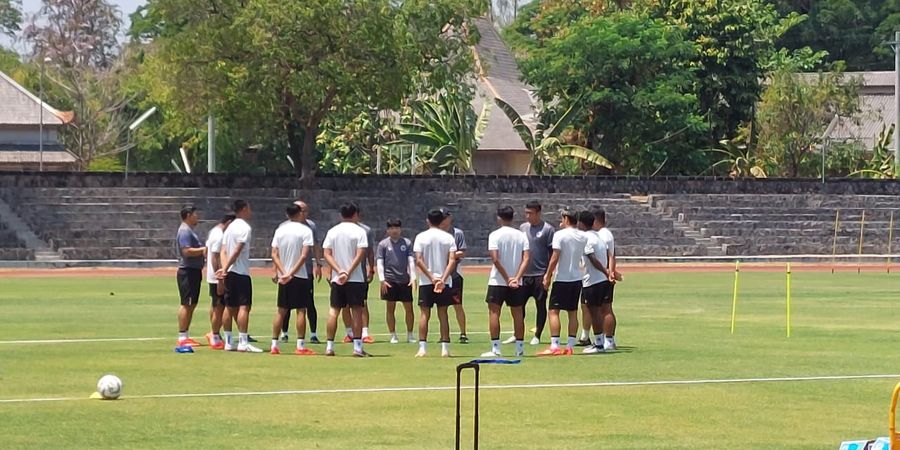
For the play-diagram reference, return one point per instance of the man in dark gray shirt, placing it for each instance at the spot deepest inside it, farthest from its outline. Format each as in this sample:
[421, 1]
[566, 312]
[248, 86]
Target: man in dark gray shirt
[191, 258]
[456, 291]
[540, 240]
[396, 265]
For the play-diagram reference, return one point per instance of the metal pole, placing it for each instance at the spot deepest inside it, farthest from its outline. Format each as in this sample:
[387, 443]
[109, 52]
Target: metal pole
[896, 103]
[378, 160]
[211, 145]
[41, 126]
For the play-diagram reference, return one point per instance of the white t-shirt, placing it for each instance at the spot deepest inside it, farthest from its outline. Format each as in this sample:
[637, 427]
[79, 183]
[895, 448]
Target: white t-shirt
[238, 232]
[570, 242]
[608, 239]
[509, 243]
[289, 239]
[435, 245]
[596, 247]
[344, 240]
[213, 246]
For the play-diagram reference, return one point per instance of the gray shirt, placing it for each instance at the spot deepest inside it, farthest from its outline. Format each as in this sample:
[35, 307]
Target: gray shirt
[395, 257]
[370, 237]
[540, 241]
[186, 238]
[460, 239]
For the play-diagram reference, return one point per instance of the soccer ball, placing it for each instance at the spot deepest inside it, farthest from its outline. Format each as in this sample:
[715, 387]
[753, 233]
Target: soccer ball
[109, 387]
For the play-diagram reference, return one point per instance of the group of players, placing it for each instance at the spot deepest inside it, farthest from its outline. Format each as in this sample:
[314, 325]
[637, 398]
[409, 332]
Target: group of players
[575, 264]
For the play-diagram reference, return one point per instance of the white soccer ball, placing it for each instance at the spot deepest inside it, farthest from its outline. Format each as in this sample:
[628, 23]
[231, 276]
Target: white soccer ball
[109, 387]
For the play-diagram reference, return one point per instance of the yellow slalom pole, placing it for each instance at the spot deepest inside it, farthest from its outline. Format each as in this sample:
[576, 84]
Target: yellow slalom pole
[890, 240]
[788, 300]
[837, 218]
[862, 227]
[737, 271]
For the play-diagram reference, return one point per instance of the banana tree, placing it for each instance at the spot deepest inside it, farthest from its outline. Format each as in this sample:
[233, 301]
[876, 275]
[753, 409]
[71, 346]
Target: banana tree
[544, 142]
[449, 129]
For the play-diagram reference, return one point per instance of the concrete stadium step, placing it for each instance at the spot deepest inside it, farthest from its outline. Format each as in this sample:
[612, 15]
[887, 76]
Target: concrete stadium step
[16, 254]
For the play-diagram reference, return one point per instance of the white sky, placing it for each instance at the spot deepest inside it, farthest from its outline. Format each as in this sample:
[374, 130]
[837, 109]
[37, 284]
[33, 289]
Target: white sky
[29, 7]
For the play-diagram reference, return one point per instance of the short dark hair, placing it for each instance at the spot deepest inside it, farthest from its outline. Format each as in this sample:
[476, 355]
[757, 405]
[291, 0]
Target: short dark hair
[570, 215]
[534, 204]
[391, 223]
[240, 205]
[435, 217]
[586, 218]
[292, 210]
[228, 217]
[600, 215]
[187, 210]
[506, 213]
[348, 210]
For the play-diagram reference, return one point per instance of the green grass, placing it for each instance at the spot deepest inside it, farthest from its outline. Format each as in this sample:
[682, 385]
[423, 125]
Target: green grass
[672, 326]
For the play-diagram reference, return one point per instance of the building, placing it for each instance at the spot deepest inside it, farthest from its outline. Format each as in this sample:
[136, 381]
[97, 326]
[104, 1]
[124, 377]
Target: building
[21, 115]
[878, 111]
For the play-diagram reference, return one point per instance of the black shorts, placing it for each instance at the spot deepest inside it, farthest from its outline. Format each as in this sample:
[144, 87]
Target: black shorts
[296, 294]
[189, 281]
[612, 288]
[215, 298]
[350, 294]
[429, 298]
[456, 292]
[596, 294]
[533, 287]
[499, 295]
[238, 290]
[564, 295]
[398, 292]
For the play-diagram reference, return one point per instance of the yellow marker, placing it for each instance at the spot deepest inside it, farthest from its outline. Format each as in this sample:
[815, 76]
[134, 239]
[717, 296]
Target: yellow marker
[837, 217]
[862, 227]
[892, 416]
[788, 300]
[737, 271]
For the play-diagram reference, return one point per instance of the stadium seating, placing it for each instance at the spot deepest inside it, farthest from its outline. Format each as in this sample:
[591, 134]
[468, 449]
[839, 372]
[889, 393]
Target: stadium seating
[11, 248]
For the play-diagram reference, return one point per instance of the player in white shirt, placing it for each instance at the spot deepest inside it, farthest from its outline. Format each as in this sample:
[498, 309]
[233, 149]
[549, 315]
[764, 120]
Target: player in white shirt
[595, 288]
[235, 271]
[509, 253]
[216, 289]
[435, 252]
[292, 246]
[609, 317]
[565, 271]
[345, 247]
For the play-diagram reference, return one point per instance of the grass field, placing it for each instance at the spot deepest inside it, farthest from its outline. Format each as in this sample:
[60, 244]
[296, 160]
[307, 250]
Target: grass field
[672, 326]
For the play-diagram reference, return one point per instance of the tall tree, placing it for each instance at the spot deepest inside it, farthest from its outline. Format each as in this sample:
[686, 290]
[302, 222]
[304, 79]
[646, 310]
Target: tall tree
[10, 16]
[304, 61]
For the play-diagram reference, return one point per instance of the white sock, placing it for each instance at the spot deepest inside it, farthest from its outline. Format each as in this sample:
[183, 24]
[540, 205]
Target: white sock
[520, 346]
[571, 342]
[393, 335]
[554, 341]
[329, 346]
[228, 338]
[357, 345]
[274, 343]
[182, 335]
[598, 340]
[350, 332]
[584, 334]
[215, 338]
[314, 335]
[244, 338]
[422, 346]
[301, 344]
[445, 347]
[409, 336]
[365, 332]
[495, 346]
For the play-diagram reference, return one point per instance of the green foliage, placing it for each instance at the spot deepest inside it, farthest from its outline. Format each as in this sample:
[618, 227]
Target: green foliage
[448, 130]
[106, 164]
[881, 163]
[350, 146]
[547, 148]
[10, 16]
[738, 158]
[633, 75]
[795, 110]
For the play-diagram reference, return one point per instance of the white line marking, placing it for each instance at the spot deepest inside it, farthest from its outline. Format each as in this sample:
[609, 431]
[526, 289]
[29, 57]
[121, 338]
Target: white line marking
[487, 387]
[80, 341]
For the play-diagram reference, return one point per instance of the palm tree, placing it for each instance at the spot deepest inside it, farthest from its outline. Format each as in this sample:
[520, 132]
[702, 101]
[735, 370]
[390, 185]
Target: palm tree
[450, 128]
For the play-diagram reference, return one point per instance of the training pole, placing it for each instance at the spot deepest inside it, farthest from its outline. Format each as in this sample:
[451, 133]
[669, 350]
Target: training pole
[737, 272]
[862, 227]
[788, 300]
[837, 218]
[890, 240]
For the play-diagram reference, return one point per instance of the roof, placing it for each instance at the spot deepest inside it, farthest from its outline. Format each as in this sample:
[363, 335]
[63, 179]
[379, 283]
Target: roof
[18, 106]
[878, 112]
[500, 77]
[50, 157]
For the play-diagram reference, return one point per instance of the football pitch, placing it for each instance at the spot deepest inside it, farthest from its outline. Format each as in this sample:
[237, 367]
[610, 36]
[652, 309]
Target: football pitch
[679, 380]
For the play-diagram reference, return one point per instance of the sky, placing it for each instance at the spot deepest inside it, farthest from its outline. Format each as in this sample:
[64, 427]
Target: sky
[29, 7]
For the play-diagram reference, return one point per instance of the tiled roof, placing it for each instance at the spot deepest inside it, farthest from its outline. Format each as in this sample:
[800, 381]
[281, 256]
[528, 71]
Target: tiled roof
[878, 113]
[50, 157]
[20, 107]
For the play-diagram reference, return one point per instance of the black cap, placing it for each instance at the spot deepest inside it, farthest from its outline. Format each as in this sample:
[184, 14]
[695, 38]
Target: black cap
[446, 212]
[187, 210]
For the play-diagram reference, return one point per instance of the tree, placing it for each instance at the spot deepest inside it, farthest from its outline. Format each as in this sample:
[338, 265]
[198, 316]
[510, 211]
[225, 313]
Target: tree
[449, 130]
[10, 16]
[301, 62]
[634, 77]
[793, 113]
[544, 142]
